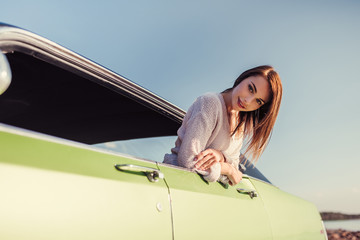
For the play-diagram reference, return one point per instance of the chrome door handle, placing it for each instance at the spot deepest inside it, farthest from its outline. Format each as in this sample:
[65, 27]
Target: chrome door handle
[151, 173]
[250, 192]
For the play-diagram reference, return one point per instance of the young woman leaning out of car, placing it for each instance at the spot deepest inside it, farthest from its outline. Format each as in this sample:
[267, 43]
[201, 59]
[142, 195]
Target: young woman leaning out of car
[216, 125]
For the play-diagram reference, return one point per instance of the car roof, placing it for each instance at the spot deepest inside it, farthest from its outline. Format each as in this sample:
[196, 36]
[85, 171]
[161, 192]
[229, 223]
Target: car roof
[59, 92]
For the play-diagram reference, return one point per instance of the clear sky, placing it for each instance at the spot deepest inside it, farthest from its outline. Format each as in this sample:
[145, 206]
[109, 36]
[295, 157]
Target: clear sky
[182, 49]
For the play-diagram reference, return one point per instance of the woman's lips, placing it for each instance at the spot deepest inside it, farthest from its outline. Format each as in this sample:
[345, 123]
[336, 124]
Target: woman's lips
[240, 104]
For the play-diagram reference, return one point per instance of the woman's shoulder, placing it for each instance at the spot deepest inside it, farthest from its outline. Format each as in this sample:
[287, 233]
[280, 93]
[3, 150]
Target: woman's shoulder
[208, 104]
[209, 100]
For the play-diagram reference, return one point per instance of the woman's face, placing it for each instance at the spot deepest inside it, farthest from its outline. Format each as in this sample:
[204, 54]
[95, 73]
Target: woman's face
[250, 94]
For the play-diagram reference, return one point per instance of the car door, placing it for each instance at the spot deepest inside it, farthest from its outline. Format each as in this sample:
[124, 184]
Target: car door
[57, 189]
[204, 210]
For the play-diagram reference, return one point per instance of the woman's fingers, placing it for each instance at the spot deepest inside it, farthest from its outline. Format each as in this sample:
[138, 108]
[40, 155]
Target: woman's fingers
[202, 154]
[203, 160]
[207, 158]
[208, 164]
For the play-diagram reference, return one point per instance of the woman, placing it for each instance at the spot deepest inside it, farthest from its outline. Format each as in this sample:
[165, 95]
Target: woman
[215, 126]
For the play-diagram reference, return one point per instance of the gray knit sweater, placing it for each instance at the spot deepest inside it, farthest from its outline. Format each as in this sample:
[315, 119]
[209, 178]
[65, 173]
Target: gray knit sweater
[205, 125]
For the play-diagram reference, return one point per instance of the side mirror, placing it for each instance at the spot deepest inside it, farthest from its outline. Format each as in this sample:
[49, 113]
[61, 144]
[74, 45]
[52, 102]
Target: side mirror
[5, 73]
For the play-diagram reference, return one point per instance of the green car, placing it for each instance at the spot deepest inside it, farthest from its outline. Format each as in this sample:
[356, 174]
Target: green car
[81, 158]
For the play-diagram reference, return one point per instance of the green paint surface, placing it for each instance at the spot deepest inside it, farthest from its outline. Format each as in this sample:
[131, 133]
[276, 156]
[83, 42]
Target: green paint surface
[58, 191]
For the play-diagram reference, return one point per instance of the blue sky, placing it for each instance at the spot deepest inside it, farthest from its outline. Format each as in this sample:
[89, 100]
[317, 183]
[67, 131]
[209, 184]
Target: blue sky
[182, 49]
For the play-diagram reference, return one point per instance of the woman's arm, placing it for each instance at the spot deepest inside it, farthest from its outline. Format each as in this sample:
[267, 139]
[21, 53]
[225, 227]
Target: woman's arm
[209, 157]
[196, 131]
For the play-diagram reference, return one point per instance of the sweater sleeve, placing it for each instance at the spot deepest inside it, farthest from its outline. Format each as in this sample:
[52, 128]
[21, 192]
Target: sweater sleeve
[196, 130]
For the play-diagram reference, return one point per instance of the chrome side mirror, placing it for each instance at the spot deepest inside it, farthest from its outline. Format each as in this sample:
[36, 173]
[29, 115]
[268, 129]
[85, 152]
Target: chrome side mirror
[5, 73]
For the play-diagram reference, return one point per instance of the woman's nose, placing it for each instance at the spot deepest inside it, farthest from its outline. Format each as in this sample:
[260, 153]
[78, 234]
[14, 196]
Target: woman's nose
[249, 99]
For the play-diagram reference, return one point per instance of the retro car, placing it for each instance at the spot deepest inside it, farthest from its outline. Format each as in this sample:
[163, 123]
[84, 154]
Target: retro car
[81, 158]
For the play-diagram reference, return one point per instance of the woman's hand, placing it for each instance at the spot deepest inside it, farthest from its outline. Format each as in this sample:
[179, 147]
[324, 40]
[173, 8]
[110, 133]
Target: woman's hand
[208, 158]
[234, 175]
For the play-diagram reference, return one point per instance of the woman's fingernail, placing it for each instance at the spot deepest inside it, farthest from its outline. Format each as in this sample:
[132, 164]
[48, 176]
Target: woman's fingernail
[195, 159]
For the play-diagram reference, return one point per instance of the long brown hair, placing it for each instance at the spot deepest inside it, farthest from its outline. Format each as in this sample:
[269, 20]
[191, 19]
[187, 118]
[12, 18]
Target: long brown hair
[258, 125]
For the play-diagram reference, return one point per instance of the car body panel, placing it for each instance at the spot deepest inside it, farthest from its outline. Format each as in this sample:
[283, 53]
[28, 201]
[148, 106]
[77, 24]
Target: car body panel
[83, 196]
[290, 217]
[217, 211]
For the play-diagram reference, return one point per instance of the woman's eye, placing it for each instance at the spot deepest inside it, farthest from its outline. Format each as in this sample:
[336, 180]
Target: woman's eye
[251, 88]
[258, 101]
